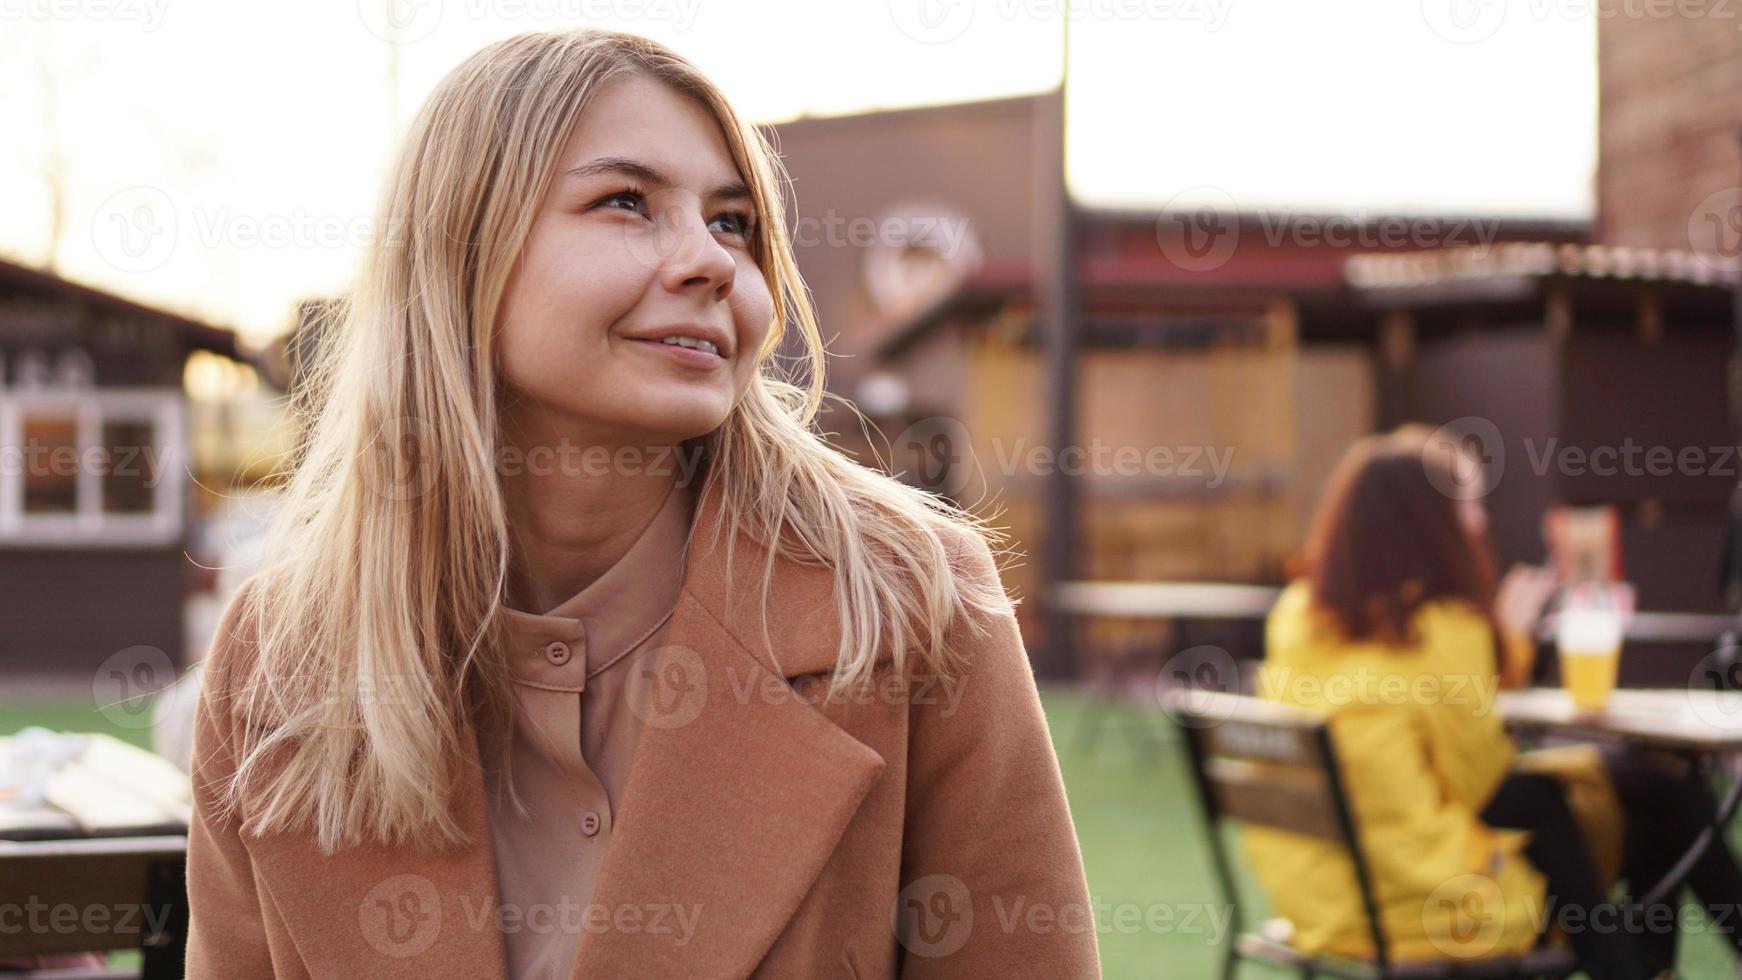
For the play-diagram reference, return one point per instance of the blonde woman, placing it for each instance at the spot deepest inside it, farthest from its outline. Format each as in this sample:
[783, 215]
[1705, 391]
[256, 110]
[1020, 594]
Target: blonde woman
[576, 651]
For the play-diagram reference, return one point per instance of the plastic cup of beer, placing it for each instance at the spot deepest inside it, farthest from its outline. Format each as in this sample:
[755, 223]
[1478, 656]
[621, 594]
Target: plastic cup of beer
[1589, 641]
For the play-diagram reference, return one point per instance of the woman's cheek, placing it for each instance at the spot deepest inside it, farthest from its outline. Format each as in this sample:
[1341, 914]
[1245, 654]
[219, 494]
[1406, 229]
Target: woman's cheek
[754, 309]
[592, 261]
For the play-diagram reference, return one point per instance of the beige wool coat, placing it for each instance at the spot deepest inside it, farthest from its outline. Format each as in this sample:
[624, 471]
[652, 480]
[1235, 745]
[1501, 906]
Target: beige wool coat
[917, 831]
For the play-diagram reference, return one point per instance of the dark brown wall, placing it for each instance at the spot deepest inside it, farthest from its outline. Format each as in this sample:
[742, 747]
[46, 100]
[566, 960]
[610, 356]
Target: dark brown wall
[67, 612]
[1511, 378]
[1595, 391]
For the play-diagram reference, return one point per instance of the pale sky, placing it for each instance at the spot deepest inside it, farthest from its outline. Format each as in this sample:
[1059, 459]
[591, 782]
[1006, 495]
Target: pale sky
[256, 134]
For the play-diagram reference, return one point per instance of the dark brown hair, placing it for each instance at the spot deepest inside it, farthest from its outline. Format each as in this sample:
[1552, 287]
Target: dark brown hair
[1386, 540]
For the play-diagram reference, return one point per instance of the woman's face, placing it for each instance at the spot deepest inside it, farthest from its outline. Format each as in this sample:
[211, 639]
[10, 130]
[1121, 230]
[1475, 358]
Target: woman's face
[645, 234]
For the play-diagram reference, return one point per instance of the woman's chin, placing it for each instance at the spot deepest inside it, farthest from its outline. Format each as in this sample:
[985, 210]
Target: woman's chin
[683, 418]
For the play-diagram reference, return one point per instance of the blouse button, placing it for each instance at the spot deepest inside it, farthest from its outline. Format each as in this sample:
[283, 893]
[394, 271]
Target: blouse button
[557, 652]
[590, 823]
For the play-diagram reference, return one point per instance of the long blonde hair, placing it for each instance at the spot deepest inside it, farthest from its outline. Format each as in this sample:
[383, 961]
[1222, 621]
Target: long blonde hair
[376, 617]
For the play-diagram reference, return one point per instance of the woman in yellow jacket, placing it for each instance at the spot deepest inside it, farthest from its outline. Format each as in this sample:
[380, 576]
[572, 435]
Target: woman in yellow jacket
[1472, 849]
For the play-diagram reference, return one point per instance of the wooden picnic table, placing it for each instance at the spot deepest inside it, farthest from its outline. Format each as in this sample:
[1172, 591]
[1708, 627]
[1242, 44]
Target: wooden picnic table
[102, 859]
[111, 789]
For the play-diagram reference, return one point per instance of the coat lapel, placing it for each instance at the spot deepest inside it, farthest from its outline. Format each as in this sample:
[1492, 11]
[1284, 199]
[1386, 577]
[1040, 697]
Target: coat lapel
[739, 790]
[391, 912]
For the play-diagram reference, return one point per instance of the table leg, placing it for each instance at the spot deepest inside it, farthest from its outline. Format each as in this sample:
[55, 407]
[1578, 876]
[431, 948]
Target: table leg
[1678, 873]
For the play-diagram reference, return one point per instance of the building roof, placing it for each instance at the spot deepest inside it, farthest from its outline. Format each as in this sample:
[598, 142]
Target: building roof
[194, 333]
[930, 112]
[1530, 260]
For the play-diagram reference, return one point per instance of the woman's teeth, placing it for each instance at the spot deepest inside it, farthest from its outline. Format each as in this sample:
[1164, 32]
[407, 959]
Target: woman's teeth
[706, 345]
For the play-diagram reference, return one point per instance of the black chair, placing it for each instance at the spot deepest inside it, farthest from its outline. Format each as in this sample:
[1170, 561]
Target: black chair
[1274, 765]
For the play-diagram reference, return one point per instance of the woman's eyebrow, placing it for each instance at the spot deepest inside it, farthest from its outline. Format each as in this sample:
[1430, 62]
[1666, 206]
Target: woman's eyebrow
[733, 191]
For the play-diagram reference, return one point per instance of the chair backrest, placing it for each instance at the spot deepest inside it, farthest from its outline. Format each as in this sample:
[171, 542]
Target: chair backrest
[1260, 762]
[99, 894]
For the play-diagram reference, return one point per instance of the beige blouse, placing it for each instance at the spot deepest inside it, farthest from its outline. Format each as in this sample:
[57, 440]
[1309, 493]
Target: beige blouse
[579, 719]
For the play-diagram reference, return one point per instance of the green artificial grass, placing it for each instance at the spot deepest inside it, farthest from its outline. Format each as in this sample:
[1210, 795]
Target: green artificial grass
[1143, 845]
[1157, 909]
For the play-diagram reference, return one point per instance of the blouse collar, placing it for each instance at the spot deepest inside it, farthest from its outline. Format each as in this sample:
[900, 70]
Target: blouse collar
[597, 626]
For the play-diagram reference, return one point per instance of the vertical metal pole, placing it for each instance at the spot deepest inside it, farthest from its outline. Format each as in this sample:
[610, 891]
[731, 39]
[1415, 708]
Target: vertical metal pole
[1731, 572]
[1056, 293]
[1735, 319]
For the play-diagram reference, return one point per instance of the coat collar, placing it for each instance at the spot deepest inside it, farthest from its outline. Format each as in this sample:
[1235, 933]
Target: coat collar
[733, 804]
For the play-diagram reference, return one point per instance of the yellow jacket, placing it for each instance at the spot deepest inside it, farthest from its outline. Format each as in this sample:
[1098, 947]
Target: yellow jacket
[1421, 750]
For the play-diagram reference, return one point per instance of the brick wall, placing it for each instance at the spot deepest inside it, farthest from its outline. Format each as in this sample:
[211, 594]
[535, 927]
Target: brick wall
[1671, 105]
[1670, 82]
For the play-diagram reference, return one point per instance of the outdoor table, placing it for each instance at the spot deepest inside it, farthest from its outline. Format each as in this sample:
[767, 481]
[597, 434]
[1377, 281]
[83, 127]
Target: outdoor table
[112, 789]
[103, 857]
[1180, 602]
[1166, 600]
[1699, 724]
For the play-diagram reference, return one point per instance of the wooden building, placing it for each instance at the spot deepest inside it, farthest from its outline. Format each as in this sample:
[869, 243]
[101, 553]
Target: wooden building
[1590, 375]
[1224, 362]
[94, 515]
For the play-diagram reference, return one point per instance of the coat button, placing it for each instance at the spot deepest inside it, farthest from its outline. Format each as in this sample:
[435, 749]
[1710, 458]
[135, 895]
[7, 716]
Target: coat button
[557, 652]
[590, 823]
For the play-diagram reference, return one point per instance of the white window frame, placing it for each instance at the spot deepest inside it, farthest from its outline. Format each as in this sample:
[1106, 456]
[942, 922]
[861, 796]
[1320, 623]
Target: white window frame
[89, 526]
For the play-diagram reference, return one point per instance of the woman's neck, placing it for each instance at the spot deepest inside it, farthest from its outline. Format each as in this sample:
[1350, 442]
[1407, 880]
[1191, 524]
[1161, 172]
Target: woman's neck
[574, 510]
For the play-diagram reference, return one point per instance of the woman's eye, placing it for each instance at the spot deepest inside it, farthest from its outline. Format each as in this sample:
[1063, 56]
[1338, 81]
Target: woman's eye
[737, 223]
[631, 198]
